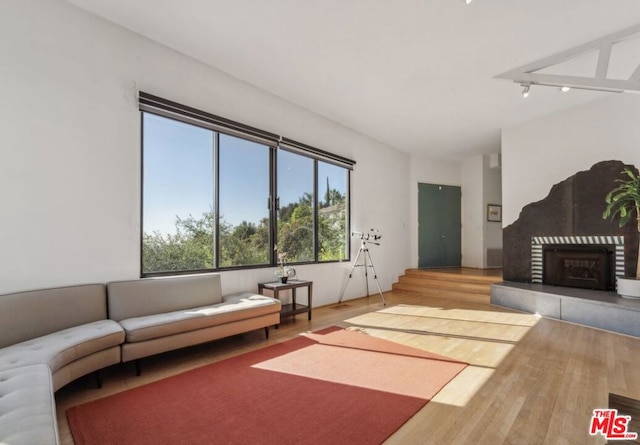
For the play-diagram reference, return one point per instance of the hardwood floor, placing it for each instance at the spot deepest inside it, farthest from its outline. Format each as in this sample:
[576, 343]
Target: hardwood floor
[530, 381]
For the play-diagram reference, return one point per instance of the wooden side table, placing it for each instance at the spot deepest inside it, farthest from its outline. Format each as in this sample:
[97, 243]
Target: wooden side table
[293, 308]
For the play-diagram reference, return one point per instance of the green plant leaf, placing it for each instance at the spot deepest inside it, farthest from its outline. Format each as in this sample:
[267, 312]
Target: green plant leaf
[624, 199]
[624, 219]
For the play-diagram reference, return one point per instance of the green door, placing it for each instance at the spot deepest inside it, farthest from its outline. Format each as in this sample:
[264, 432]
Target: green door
[439, 226]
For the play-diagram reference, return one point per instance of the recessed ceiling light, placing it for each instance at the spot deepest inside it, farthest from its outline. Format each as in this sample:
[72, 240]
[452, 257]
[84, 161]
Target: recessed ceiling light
[565, 88]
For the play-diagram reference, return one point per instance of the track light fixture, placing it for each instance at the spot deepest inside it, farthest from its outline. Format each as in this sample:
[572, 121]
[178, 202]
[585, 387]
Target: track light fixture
[564, 88]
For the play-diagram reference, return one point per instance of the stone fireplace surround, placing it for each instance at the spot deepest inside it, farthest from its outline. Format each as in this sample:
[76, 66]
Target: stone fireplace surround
[572, 213]
[572, 210]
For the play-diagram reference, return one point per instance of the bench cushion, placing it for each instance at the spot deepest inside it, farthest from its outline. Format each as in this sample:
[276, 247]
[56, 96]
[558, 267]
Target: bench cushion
[63, 347]
[26, 315]
[234, 308]
[148, 296]
[27, 406]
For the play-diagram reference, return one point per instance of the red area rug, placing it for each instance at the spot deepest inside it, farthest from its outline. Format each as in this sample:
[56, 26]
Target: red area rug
[236, 402]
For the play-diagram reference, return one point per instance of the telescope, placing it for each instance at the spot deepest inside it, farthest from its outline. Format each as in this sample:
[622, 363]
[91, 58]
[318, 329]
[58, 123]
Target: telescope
[372, 234]
[366, 237]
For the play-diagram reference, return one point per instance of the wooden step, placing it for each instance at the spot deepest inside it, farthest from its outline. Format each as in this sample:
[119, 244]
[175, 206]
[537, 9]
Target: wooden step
[466, 275]
[461, 284]
[439, 293]
[478, 288]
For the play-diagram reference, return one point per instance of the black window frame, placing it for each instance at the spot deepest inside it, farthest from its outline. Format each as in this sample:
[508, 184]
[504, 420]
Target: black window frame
[172, 110]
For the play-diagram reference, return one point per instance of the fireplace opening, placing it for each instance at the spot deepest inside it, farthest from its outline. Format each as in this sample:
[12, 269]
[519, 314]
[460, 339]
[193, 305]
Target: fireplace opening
[590, 267]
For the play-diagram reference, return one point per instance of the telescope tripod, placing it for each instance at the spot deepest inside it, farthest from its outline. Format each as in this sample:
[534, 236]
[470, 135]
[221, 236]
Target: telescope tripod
[367, 263]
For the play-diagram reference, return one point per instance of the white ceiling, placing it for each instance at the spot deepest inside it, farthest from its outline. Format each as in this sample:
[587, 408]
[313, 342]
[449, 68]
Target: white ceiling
[417, 75]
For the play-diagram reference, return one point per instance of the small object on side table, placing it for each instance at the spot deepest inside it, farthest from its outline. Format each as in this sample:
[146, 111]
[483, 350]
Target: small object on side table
[284, 272]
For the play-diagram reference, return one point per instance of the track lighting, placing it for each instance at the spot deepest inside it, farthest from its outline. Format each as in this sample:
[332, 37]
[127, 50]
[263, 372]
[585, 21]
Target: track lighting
[526, 86]
[539, 71]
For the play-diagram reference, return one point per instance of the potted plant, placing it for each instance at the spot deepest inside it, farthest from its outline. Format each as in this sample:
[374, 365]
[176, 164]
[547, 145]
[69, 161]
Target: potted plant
[623, 202]
[284, 272]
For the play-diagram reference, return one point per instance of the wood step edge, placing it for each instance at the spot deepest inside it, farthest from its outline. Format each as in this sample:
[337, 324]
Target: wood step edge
[429, 281]
[459, 296]
[431, 290]
[486, 290]
[454, 278]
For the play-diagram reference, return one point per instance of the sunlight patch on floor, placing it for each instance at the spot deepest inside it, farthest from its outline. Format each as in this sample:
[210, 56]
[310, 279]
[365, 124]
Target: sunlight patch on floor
[464, 386]
[463, 314]
[476, 352]
[380, 371]
[481, 338]
[480, 329]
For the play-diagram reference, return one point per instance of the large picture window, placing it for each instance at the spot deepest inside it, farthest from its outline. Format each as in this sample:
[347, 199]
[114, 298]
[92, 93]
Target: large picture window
[219, 195]
[333, 217]
[244, 193]
[296, 207]
[178, 196]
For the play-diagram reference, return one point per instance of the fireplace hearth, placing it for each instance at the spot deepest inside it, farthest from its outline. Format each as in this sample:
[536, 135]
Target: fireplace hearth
[589, 267]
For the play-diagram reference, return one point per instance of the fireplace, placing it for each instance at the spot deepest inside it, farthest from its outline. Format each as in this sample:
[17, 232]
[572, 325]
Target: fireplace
[590, 267]
[591, 262]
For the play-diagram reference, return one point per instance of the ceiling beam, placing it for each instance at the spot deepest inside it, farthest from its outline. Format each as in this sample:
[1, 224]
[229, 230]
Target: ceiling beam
[527, 74]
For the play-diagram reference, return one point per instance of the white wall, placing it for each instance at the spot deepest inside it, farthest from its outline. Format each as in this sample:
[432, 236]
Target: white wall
[491, 194]
[70, 153]
[481, 185]
[428, 171]
[472, 212]
[538, 154]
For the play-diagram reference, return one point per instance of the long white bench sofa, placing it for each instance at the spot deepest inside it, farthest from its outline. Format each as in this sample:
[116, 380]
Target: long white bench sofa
[162, 314]
[50, 337]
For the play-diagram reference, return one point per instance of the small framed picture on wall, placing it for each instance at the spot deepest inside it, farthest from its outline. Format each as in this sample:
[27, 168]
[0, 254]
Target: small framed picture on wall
[494, 212]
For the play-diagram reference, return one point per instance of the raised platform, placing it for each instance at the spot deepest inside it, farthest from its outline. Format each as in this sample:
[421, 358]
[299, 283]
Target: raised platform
[598, 309]
[456, 283]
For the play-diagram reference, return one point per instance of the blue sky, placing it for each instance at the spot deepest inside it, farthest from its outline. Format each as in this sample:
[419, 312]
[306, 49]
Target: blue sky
[178, 175]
